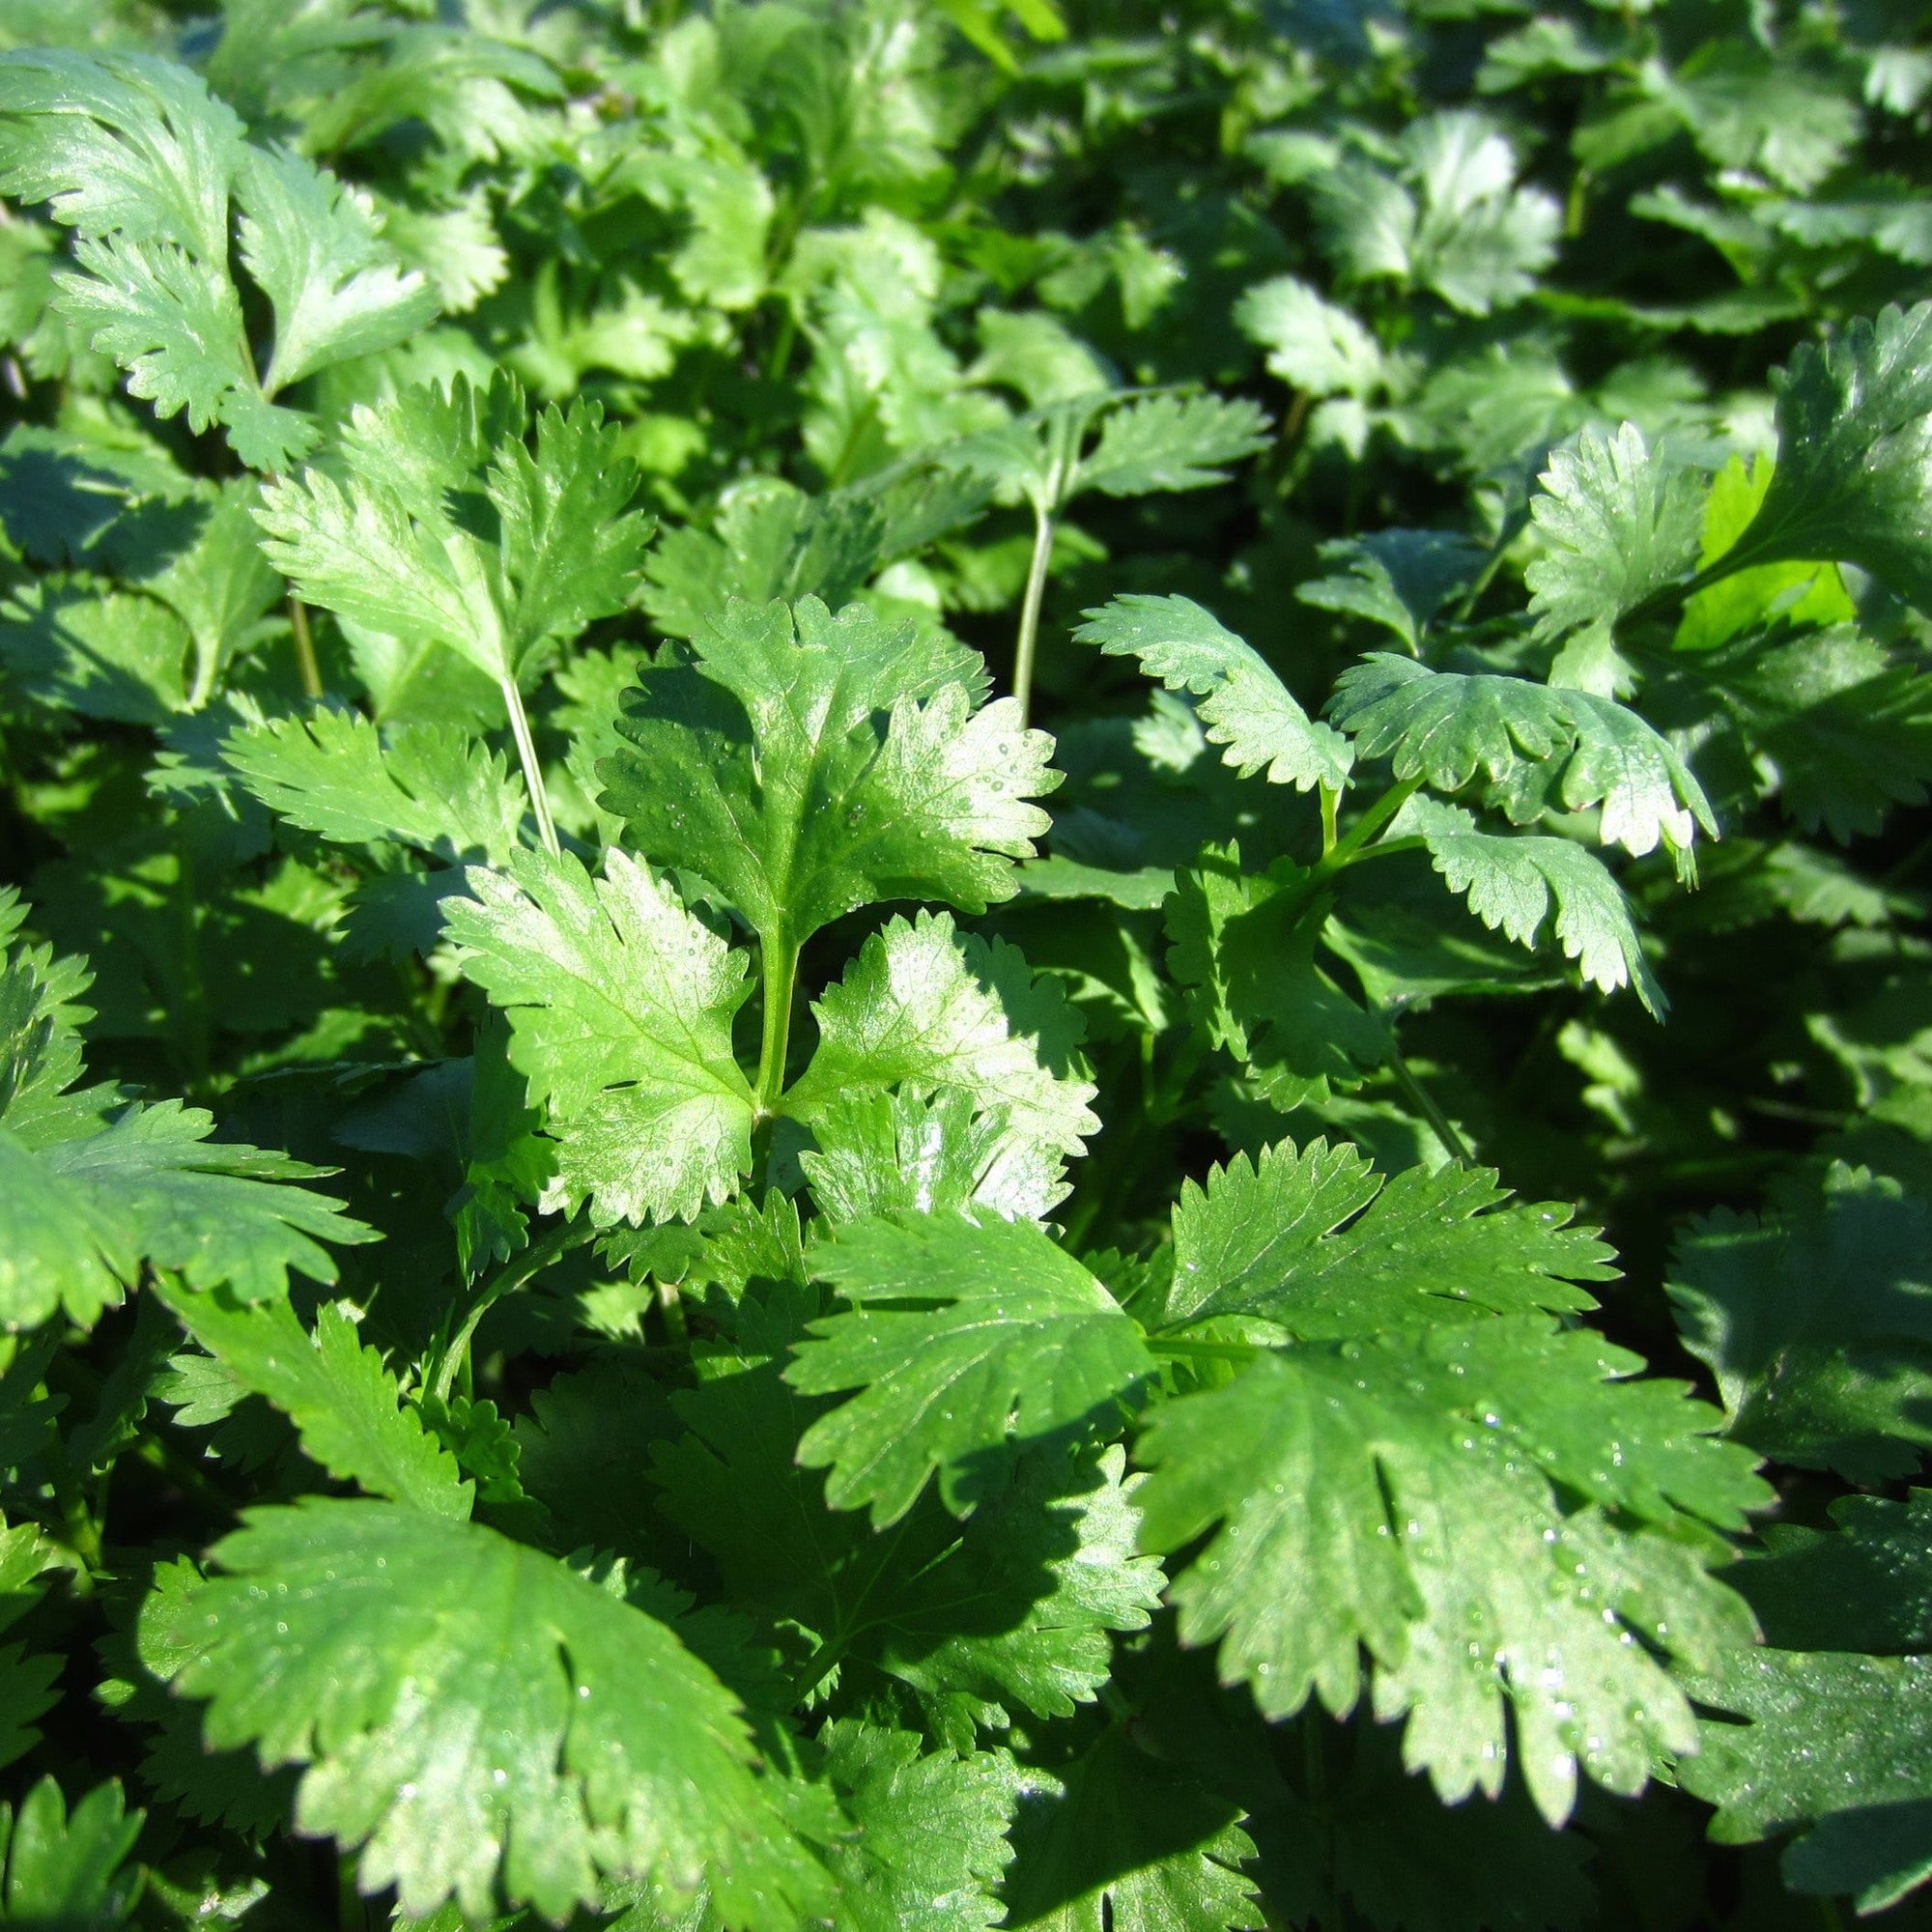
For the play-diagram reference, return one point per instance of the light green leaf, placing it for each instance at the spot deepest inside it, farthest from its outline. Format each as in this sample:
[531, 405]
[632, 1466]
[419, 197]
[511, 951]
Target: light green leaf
[1510, 883]
[81, 1216]
[1169, 442]
[1245, 705]
[1024, 1346]
[807, 765]
[1395, 1496]
[1313, 345]
[341, 1399]
[921, 1009]
[314, 246]
[1854, 476]
[472, 1714]
[221, 587]
[932, 1836]
[118, 144]
[70, 1871]
[620, 1006]
[431, 786]
[1320, 1243]
[1817, 1323]
[114, 655]
[1619, 522]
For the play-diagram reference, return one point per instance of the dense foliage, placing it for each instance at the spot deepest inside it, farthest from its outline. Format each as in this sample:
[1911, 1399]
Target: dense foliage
[964, 964]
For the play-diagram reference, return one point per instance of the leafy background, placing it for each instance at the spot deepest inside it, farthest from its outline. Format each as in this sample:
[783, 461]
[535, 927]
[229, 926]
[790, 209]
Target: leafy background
[1417, 367]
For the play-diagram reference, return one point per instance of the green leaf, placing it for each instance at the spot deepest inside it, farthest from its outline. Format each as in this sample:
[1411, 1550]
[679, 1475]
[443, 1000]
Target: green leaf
[1312, 345]
[1169, 442]
[117, 655]
[806, 765]
[1817, 1323]
[620, 1004]
[1533, 742]
[1243, 945]
[79, 1217]
[1397, 1496]
[221, 587]
[1320, 1243]
[921, 1009]
[931, 1832]
[1865, 1585]
[1117, 1838]
[1401, 579]
[965, 1335]
[70, 1871]
[431, 786]
[1014, 1608]
[1245, 706]
[1510, 883]
[118, 144]
[336, 1391]
[314, 248]
[472, 1714]
[1854, 476]
[1837, 1742]
[1618, 523]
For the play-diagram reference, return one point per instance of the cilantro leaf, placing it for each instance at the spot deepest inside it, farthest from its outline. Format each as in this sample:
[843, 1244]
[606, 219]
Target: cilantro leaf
[313, 246]
[1835, 1741]
[1619, 522]
[337, 1393]
[1510, 883]
[620, 1004]
[1312, 344]
[70, 1869]
[431, 786]
[1817, 1323]
[118, 144]
[1243, 945]
[116, 655]
[1117, 1838]
[1448, 727]
[1168, 442]
[406, 1660]
[1023, 1345]
[1400, 579]
[1864, 1585]
[922, 1008]
[1854, 476]
[1396, 1497]
[1322, 1244]
[808, 764]
[1245, 706]
[931, 1838]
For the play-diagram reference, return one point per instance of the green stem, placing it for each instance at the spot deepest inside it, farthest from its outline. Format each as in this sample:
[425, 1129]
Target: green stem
[1331, 799]
[306, 663]
[526, 756]
[778, 957]
[1181, 1347]
[1349, 847]
[1036, 592]
[1421, 1099]
[533, 1259]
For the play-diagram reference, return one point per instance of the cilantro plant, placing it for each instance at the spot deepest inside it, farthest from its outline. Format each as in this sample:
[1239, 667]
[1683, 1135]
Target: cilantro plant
[962, 964]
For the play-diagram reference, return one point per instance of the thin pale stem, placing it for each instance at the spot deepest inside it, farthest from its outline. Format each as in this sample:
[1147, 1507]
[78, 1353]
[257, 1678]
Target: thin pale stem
[1183, 1347]
[533, 1259]
[307, 661]
[1346, 850]
[778, 957]
[526, 755]
[1036, 592]
[1424, 1102]
[1331, 799]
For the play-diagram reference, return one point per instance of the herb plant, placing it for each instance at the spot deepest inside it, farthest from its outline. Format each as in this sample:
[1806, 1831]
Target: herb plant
[964, 965]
